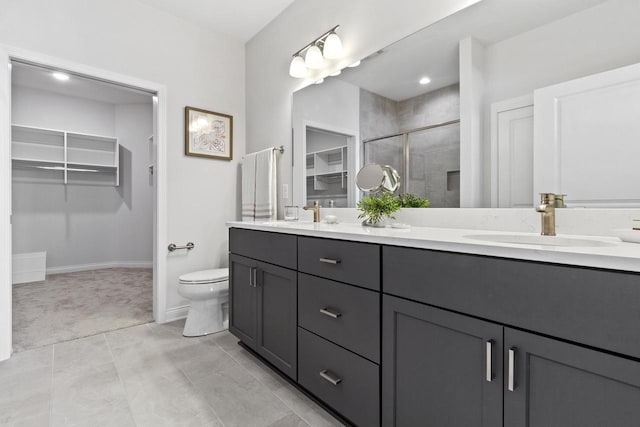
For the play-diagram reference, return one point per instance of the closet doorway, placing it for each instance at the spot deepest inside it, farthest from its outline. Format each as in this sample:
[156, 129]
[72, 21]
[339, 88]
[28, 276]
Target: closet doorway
[85, 211]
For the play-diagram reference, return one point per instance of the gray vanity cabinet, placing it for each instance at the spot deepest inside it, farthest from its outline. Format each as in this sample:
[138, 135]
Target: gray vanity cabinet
[556, 384]
[263, 296]
[243, 297]
[440, 368]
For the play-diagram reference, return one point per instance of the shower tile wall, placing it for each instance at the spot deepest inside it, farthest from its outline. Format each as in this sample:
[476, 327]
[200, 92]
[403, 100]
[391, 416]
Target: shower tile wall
[434, 155]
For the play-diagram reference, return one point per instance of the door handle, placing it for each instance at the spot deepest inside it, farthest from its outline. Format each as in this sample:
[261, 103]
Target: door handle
[330, 378]
[489, 356]
[511, 382]
[253, 276]
[328, 312]
[330, 261]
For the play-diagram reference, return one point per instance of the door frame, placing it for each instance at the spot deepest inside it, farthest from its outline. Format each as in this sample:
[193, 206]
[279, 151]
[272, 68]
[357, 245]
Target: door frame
[496, 109]
[300, 160]
[9, 53]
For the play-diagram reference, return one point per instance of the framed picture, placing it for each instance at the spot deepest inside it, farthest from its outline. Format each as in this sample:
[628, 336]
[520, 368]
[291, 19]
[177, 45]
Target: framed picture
[208, 134]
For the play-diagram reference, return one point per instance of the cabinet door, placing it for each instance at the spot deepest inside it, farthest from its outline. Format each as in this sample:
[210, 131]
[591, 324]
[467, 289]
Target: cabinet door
[243, 299]
[277, 317]
[556, 384]
[439, 368]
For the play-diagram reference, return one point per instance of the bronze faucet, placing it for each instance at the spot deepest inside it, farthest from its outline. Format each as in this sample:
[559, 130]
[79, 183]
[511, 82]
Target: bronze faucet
[316, 211]
[547, 208]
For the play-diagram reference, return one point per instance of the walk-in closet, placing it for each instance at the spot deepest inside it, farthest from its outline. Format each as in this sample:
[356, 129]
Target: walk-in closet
[82, 206]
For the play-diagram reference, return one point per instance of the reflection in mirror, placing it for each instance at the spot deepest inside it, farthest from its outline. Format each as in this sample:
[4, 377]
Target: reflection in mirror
[373, 178]
[370, 178]
[466, 138]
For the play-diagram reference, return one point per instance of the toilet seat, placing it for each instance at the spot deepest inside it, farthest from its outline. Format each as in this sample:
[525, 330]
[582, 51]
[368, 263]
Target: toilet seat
[205, 277]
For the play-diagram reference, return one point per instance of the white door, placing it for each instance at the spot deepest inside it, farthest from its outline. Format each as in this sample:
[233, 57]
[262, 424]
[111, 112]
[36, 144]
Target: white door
[587, 139]
[5, 206]
[512, 144]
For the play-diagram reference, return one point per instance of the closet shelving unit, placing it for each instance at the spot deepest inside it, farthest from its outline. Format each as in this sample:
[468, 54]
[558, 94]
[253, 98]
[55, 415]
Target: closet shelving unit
[327, 166]
[56, 156]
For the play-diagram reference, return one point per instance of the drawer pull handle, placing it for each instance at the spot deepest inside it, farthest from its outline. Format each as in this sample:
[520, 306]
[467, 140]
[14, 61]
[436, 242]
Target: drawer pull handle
[489, 356]
[328, 377]
[330, 313]
[330, 261]
[511, 385]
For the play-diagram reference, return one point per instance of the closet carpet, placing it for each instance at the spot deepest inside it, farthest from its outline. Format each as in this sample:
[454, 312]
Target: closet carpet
[74, 305]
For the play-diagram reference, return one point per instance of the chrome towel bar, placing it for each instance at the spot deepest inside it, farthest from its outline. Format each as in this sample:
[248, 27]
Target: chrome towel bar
[172, 246]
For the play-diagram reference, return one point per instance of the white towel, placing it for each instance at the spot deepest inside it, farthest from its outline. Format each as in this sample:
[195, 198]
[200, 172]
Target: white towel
[248, 187]
[259, 197]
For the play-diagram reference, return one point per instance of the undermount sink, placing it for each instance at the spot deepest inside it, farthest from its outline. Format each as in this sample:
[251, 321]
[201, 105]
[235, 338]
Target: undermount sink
[525, 239]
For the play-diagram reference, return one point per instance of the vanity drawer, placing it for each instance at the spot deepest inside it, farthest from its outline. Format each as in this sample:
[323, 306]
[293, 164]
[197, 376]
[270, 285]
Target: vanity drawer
[274, 248]
[349, 262]
[584, 305]
[347, 315]
[346, 382]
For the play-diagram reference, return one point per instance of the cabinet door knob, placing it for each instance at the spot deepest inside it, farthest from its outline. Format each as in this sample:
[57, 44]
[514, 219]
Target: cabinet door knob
[330, 378]
[330, 261]
[489, 356]
[511, 382]
[328, 312]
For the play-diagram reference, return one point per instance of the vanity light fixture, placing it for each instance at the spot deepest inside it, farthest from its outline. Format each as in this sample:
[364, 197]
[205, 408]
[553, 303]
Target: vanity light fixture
[317, 82]
[335, 73]
[425, 80]
[60, 76]
[312, 56]
[355, 64]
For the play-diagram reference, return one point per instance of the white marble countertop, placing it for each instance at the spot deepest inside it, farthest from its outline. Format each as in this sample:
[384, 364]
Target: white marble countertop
[610, 254]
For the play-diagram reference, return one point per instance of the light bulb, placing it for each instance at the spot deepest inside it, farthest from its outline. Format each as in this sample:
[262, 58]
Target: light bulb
[297, 67]
[332, 46]
[313, 58]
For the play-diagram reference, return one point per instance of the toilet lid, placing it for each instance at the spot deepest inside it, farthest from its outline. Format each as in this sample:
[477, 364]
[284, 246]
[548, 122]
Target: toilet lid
[205, 276]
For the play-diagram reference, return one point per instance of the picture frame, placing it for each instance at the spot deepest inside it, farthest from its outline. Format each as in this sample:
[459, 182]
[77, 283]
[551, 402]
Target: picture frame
[208, 134]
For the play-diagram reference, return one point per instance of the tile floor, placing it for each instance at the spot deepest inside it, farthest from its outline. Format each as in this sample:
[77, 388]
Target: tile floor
[74, 305]
[149, 375]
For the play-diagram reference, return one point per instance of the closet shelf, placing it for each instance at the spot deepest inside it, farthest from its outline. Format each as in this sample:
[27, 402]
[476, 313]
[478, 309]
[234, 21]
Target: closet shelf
[93, 157]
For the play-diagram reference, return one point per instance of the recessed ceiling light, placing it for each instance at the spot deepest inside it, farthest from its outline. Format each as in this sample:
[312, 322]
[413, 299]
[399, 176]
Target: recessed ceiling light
[61, 76]
[425, 81]
[355, 64]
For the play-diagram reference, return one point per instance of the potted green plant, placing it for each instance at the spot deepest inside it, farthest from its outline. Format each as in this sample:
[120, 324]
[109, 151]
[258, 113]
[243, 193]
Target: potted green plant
[377, 208]
[410, 201]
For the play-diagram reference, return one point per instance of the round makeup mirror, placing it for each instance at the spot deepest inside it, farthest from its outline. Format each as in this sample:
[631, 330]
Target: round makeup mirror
[374, 178]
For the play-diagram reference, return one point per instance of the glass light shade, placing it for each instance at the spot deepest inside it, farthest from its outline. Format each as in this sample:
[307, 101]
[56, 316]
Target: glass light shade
[313, 58]
[332, 46]
[297, 67]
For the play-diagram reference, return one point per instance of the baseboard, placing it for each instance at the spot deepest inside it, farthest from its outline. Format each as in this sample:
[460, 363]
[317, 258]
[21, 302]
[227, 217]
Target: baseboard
[176, 313]
[29, 267]
[99, 266]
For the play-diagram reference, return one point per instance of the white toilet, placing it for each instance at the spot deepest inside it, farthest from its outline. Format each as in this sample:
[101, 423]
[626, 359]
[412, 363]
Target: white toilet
[208, 291]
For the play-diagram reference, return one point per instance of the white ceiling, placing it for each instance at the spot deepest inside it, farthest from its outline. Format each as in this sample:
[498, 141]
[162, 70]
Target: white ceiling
[77, 86]
[240, 19]
[395, 70]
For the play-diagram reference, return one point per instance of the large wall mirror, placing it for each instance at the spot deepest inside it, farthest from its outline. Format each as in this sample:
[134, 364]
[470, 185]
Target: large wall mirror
[485, 108]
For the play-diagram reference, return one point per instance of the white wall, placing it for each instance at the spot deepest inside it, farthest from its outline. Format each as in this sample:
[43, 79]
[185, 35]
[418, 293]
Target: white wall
[597, 39]
[333, 105]
[365, 27]
[198, 67]
[78, 224]
[134, 125]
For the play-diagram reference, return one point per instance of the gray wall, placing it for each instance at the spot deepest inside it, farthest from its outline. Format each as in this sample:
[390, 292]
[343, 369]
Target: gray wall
[434, 156]
[79, 224]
